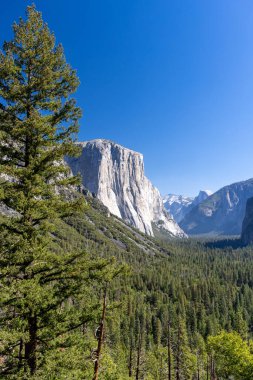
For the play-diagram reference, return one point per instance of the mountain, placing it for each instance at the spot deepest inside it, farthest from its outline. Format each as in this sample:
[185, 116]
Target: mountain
[202, 196]
[221, 213]
[115, 175]
[178, 205]
[247, 225]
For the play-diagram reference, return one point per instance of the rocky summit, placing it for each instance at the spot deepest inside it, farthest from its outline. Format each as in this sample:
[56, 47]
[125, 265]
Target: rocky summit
[178, 205]
[222, 213]
[116, 176]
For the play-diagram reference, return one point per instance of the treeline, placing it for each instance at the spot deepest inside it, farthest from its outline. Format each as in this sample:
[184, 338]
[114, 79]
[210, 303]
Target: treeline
[83, 296]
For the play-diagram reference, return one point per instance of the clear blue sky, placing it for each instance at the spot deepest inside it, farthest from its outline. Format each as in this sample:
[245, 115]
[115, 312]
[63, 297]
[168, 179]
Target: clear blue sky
[171, 79]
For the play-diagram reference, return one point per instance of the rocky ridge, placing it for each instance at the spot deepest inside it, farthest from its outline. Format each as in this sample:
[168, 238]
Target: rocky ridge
[222, 213]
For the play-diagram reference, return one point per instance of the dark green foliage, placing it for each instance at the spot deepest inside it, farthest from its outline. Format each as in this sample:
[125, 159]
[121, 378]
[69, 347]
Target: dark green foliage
[200, 290]
[43, 287]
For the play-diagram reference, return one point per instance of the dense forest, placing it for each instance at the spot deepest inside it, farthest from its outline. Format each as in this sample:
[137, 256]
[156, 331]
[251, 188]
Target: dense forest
[182, 310]
[84, 295]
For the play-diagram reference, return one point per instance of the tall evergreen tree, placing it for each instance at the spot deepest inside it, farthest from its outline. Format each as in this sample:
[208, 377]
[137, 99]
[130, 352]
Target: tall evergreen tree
[241, 325]
[38, 122]
[184, 360]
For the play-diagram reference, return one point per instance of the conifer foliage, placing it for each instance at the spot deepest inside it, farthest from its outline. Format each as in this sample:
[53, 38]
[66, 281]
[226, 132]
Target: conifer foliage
[38, 121]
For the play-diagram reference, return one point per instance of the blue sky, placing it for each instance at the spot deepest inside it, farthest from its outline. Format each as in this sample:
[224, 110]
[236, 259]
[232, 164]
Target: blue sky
[171, 79]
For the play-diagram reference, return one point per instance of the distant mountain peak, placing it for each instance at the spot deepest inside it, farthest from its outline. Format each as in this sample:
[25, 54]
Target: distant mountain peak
[178, 205]
[207, 192]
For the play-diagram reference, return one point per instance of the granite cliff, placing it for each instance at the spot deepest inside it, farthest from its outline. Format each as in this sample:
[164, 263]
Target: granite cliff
[116, 176]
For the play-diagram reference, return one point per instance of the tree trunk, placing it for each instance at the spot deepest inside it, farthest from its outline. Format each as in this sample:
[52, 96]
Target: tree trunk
[20, 353]
[130, 365]
[31, 345]
[178, 354]
[137, 376]
[207, 368]
[169, 352]
[100, 337]
[198, 366]
[212, 366]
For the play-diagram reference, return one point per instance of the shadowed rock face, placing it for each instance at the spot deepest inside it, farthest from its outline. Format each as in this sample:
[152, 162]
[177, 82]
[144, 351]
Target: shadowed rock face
[116, 176]
[221, 213]
[247, 226]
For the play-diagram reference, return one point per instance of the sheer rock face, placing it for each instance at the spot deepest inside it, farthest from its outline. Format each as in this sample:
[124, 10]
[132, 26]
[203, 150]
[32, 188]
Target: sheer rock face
[221, 213]
[116, 176]
[247, 225]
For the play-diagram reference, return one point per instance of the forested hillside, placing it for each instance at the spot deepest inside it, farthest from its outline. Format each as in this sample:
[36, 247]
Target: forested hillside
[164, 310]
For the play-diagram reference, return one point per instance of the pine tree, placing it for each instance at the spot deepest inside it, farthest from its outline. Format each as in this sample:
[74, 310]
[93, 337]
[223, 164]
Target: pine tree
[169, 350]
[140, 342]
[241, 325]
[41, 286]
[106, 281]
[184, 360]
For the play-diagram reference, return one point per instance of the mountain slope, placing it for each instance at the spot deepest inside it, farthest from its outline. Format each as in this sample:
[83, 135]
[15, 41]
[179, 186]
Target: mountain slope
[221, 213]
[178, 205]
[247, 225]
[116, 176]
[164, 279]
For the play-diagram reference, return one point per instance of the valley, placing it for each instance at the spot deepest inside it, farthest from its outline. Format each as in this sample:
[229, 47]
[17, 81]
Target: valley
[199, 288]
[102, 277]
